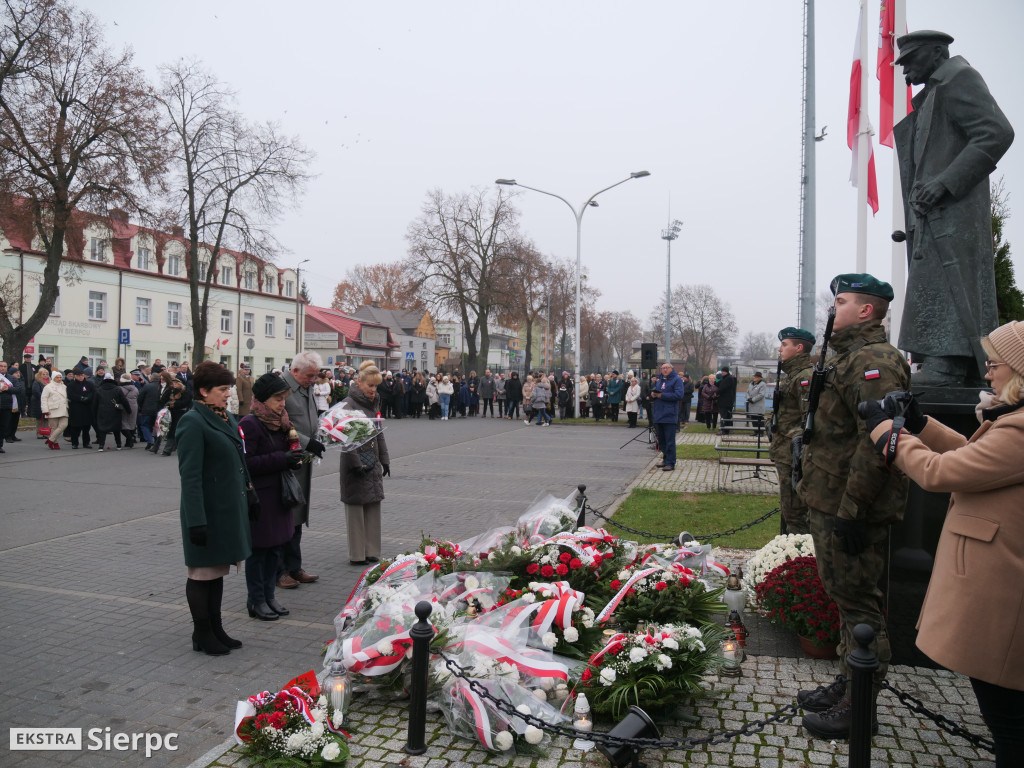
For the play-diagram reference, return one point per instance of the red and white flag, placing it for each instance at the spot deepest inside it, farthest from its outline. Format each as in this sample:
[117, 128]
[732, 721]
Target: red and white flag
[886, 50]
[853, 124]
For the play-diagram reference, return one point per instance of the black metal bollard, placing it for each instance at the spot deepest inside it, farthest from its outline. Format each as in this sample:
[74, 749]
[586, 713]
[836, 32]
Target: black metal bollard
[581, 519]
[422, 633]
[863, 664]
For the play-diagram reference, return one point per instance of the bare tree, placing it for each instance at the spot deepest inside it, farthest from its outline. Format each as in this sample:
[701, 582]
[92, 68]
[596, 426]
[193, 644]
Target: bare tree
[459, 249]
[388, 284]
[595, 349]
[757, 346]
[702, 324]
[235, 178]
[527, 290]
[623, 330]
[80, 132]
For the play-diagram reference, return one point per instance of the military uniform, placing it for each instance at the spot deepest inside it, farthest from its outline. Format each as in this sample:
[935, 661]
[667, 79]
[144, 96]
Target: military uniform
[843, 477]
[790, 404]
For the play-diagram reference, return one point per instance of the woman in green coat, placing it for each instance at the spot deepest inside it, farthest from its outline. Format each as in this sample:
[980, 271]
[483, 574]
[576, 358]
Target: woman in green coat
[214, 508]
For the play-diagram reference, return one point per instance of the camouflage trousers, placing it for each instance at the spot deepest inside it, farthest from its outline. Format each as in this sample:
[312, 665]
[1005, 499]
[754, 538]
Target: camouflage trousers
[852, 581]
[792, 507]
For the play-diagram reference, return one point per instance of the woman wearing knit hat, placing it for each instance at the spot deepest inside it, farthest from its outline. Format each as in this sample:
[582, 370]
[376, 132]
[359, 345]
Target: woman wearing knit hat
[964, 624]
[54, 406]
[268, 454]
[131, 411]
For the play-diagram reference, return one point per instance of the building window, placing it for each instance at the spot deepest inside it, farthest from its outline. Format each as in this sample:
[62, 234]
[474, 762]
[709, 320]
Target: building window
[95, 355]
[173, 314]
[47, 351]
[289, 327]
[225, 275]
[250, 281]
[97, 249]
[247, 360]
[97, 305]
[143, 311]
[225, 360]
[444, 339]
[173, 266]
[142, 356]
[248, 322]
[289, 288]
[268, 325]
[226, 321]
[268, 363]
[143, 259]
[268, 284]
[203, 266]
[173, 358]
[410, 343]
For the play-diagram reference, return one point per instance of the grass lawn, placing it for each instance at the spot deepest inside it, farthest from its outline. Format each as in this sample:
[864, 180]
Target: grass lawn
[686, 451]
[700, 514]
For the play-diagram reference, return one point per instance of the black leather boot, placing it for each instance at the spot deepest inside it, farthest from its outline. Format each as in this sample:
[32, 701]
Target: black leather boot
[837, 721]
[822, 700]
[216, 598]
[203, 639]
[262, 612]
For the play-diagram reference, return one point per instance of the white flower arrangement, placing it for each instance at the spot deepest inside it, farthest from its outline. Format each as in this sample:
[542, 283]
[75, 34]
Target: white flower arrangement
[503, 740]
[773, 554]
[571, 634]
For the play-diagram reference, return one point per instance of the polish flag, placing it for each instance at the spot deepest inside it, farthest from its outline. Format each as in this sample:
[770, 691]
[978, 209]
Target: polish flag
[853, 124]
[886, 51]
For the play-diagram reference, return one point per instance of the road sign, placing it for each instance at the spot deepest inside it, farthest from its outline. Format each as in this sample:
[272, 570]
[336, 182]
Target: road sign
[125, 336]
[410, 355]
[249, 344]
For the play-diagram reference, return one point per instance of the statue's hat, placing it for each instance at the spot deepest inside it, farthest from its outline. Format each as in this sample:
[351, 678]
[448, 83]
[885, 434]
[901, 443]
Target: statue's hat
[911, 42]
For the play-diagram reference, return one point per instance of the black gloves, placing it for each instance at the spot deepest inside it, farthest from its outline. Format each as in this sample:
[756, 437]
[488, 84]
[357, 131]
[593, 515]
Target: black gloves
[315, 447]
[852, 535]
[387, 470]
[915, 419]
[898, 403]
[197, 535]
[294, 458]
[873, 413]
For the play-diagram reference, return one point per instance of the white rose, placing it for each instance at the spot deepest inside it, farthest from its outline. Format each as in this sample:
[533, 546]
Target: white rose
[549, 640]
[516, 551]
[533, 735]
[571, 634]
[637, 655]
[607, 676]
[472, 582]
[316, 730]
[331, 752]
[503, 740]
[664, 661]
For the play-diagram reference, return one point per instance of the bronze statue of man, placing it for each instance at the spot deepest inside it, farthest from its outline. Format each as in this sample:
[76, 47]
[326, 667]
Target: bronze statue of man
[947, 148]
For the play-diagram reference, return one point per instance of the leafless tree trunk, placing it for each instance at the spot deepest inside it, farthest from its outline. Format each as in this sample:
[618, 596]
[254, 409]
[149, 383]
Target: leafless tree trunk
[235, 178]
[702, 324]
[623, 330]
[80, 132]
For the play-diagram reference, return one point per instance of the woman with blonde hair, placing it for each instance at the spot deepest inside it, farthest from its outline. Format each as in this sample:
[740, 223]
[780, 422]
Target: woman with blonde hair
[445, 390]
[363, 471]
[54, 406]
[971, 617]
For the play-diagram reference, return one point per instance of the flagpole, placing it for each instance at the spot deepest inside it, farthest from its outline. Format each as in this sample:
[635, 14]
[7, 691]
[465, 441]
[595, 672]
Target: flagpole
[863, 146]
[899, 111]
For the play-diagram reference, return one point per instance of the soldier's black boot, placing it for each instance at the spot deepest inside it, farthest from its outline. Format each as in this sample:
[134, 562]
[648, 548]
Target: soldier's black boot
[836, 722]
[822, 700]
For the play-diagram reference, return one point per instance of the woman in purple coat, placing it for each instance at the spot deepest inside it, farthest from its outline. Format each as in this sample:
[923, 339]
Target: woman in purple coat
[267, 455]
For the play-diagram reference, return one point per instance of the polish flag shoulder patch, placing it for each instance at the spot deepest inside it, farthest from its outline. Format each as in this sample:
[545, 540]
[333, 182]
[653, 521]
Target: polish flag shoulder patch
[805, 383]
[872, 374]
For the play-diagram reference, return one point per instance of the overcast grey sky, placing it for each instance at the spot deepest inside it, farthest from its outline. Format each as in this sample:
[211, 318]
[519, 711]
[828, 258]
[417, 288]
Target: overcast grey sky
[397, 98]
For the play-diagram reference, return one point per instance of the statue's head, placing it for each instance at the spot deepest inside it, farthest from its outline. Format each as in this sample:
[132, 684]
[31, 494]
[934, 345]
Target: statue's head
[921, 53]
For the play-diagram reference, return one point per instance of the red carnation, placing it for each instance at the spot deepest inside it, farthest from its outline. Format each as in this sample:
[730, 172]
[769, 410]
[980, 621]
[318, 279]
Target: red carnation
[562, 569]
[575, 563]
[436, 567]
[278, 720]
[661, 585]
[587, 674]
[547, 571]
[565, 557]
[429, 556]
[532, 568]
[615, 584]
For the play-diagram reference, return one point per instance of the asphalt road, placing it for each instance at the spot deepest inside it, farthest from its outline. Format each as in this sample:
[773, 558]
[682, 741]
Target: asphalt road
[95, 625]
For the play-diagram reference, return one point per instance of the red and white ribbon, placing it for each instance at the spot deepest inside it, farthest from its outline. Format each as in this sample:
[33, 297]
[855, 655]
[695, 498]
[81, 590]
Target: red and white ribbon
[613, 640]
[370, 661]
[587, 533]
[498, 649]
[481, 718]
[614, 602]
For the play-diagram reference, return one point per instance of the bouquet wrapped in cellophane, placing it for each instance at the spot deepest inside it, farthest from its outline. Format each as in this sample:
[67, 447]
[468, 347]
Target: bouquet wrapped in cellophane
[347, 429]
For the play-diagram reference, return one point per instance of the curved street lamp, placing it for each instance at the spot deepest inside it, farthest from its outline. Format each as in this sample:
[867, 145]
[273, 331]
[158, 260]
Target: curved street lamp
[579, 232]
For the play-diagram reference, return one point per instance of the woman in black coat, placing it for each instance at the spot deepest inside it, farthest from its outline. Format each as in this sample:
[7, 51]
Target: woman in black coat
[417, 396]
[513, 395]
[108, 409]
[268, 455]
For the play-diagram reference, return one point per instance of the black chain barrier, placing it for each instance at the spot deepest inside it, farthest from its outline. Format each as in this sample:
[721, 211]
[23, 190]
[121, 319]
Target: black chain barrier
[783, 715]
[674, 536]
[943, 722]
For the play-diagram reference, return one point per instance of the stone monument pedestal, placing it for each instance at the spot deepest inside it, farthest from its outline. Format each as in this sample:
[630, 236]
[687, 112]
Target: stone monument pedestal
[913, 542]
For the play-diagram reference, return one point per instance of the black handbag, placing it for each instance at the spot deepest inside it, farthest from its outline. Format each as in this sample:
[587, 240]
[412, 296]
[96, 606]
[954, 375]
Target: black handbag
[253, 500]
[291, 490]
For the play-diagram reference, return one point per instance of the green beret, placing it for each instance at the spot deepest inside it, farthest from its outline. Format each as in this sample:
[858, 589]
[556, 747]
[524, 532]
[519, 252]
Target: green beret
[909, 43]
[861, 283]
[796, 333]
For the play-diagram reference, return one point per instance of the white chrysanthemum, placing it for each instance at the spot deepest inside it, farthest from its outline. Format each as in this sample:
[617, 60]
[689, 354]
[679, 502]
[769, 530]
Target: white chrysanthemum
[503, 740]
[331, 752]
[316, 730]
[319, 713]
[636, 655]
[549, 640]
[338, 717]
[670, 643]
[529, 597]
[533, 735]
[571, 634]
[517, 551]
[295, 741]
[664, 661]
[534, 586]
[507, 670]
[607, 676]
[384, 647]
[472, 582]
[523, 709]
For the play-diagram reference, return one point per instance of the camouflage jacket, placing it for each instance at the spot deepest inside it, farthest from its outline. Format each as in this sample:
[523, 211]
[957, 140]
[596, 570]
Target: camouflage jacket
[842, 473]
[791, 403]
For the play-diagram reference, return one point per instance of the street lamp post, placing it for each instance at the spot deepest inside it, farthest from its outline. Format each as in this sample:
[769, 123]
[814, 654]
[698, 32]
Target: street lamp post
[579, 233]
[668, 235]
[298, 306]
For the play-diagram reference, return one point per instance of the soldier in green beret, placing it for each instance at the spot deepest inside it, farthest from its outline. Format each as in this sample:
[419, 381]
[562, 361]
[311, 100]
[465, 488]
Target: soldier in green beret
[790, 413]
[852, 497]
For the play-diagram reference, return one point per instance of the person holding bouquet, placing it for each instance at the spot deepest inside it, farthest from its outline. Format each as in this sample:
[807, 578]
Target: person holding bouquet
[362, 472]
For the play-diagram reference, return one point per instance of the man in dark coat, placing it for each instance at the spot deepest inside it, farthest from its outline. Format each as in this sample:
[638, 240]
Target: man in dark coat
[6, 402]
[666, 394]
[726, 398]
[108, 409]
[19, 397]
[149, 407]
[81, 392]
[947, 148]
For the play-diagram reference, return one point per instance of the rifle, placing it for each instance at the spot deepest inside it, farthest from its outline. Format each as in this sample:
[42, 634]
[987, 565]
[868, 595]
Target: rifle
[817, 385]
[773, 425]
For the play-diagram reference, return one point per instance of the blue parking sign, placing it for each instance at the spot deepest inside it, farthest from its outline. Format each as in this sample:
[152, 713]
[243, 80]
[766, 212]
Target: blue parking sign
[125, 336]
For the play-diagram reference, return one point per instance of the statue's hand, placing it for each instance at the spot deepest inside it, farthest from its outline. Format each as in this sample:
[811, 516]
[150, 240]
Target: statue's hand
[923, 197]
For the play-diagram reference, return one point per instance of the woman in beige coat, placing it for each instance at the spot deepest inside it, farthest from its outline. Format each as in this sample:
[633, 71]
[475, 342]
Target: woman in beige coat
[972, 620]
[54, 406]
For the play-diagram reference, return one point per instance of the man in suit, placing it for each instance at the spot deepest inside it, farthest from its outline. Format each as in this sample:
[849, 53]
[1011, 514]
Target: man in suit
[185, 375]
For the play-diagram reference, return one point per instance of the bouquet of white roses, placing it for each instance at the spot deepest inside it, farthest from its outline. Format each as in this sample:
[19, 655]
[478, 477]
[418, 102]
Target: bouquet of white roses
[773, 554]
[347, 429]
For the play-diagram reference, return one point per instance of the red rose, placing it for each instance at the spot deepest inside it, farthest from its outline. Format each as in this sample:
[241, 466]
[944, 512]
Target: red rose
[565, 557]
[630, 592]
[587, 674]
[532, 568]
[547, 571]
[660, 586]
[575, 563]
[615, 584]
[436, 567]
[562, 569]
